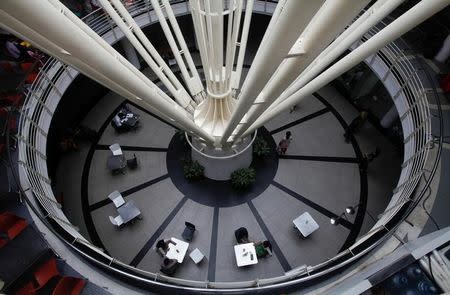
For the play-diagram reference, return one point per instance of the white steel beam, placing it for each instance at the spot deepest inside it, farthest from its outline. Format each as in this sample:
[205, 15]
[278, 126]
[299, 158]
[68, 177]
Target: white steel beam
[234, 22]
[202, 40]
[158, 65]
[288, 22]
[236, 74]
[352, 34]
[414, 16]
[178, 46]
[47, 27]
[328, 22]
[214, 20]
[91, 71]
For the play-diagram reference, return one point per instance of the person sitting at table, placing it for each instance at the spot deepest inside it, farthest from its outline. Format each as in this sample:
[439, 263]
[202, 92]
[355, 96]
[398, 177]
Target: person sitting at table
[162, 246]
[263, 249]
[169, 266]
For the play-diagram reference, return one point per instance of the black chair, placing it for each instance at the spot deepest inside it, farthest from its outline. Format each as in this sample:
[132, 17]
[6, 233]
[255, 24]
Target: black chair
[188, 232]
[241, 235]
[132, 163]
[169, 266]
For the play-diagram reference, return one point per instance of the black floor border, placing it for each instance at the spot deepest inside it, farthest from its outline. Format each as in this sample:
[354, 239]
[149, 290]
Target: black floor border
[105, 147]
[320, 158]
[364, 186]
[276, 249]
[213, 246]
[141, 254]
[128, 192]
[144, 185]
[95, 238]
[99, 204]
[311, 204]
[301, 120]
[151, 114]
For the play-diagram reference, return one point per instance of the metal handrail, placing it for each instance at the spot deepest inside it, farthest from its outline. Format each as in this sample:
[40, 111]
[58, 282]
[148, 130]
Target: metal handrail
[45, 90]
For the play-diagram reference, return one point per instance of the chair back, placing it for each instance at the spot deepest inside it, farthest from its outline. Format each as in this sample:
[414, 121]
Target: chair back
[117, 198]
[190, 225]
[188, 232]
[12, 224]
[69, 285]
[46, 271]
[115, 149]
[132, 163]
[241, 235]
[113, 221]
[169, 266]
[119, 220]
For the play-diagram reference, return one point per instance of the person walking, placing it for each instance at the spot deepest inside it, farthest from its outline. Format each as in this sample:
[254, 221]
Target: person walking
[284, 143]
[368, 158]
[355, 125]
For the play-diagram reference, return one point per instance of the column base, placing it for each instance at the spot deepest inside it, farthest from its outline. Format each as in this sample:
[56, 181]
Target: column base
[220, 163]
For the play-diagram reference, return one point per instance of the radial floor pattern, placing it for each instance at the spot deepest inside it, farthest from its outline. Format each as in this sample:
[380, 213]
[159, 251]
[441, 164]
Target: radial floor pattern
[319, 174]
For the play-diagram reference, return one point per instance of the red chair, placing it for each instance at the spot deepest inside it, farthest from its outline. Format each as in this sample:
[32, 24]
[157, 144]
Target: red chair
[445, 83]
[12, 224]
[27, 289]
[42, 275]
[3, 242]
[69, 286]
[13, 99]
[45, 272]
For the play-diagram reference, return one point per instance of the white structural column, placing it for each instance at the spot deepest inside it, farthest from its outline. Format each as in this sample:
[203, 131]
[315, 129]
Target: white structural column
[208, 18]
[155, 61]
[401, 25]
[242, 43]
[288, 22]
[352, 34]
[48, 28]
[179, 47]
[327, 23]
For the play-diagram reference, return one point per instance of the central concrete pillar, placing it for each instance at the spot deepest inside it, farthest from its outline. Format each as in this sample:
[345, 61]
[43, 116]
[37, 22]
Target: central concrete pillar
[219, 163]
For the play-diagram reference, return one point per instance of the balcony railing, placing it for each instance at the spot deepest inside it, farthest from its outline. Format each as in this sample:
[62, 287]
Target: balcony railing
[410, 98]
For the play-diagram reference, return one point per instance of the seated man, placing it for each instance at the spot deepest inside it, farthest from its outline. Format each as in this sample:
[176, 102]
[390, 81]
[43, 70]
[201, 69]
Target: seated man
[116, 123]
[263, 249]
[241, 235]
[169, 266]
[162, 246]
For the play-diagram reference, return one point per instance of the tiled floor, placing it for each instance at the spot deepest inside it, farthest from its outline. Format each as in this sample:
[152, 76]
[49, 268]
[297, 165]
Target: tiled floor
[319, 174]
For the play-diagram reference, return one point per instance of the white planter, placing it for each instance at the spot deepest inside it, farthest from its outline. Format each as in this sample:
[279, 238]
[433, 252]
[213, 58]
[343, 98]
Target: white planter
[219, 163]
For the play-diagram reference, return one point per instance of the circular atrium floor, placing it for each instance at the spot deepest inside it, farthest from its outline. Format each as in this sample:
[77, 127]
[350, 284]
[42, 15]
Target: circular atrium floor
[319, 174]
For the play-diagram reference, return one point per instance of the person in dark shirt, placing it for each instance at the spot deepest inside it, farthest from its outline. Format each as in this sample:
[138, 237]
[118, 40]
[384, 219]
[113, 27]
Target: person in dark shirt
[355, 125]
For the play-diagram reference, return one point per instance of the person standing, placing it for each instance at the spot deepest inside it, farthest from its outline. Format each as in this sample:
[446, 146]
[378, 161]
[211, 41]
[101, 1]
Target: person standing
[368, 158]
[284, 143]
[355, 125]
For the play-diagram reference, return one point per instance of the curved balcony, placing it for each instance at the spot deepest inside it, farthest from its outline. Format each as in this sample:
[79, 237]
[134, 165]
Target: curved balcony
[391, 65]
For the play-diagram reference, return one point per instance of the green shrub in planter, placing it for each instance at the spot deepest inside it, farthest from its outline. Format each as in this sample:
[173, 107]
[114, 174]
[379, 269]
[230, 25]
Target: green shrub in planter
[242, 179]
[260, 147]
[193, 170]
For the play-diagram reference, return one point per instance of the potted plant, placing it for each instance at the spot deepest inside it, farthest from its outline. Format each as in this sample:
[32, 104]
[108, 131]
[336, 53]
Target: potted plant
[261, 148]
[193, 170]
[242, 179]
